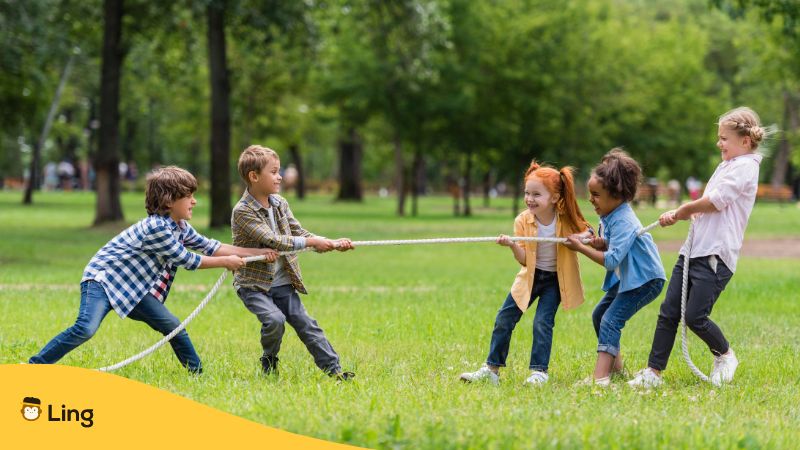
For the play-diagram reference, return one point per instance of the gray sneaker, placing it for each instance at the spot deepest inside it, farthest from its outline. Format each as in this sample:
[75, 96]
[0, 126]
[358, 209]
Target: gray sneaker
[646, 379]
[724, 368]
[484, 374]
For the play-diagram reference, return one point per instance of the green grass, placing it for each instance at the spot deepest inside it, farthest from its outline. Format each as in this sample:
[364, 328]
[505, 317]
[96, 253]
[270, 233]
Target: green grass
[408, 320]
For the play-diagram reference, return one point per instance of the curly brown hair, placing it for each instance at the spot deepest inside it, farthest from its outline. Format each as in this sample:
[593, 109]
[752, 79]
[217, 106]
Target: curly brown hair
[619, 174]
[164, 186]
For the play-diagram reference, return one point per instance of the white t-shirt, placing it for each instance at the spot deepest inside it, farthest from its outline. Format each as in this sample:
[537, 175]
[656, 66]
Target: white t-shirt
[732, 189]
[546, 251]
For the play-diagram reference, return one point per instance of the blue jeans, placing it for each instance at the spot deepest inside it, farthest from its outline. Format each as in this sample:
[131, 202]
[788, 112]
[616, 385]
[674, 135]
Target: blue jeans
[545, 287]
[94, 308]
[614, 310]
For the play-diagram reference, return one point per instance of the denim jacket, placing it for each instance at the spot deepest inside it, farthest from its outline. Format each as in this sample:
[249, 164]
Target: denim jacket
[630, 260]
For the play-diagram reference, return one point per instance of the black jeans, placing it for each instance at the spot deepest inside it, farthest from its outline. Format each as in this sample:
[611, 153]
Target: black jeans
[705, 286]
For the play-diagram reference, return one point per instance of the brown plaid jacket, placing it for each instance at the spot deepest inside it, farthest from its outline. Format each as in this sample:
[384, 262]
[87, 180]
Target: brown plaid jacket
[250, 228]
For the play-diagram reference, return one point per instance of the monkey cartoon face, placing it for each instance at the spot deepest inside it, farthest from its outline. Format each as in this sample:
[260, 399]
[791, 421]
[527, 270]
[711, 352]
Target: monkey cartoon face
[31, 408]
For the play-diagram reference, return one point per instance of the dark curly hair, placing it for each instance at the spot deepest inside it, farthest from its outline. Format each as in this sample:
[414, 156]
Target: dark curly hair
[619, 174]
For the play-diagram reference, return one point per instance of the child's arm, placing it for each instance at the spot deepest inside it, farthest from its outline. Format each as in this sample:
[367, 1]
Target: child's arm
[622, 237]
[574, 243]
[246, 222]
[269, 254]
[686, 211]
[318, 243]
[517, 250]
[230, 262]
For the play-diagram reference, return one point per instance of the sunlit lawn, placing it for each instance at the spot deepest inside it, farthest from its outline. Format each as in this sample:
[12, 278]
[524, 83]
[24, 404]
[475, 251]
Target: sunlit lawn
[408, 320]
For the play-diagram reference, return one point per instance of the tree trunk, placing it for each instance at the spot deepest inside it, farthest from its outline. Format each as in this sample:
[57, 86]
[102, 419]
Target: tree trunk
[487, 188]
[467, 184]
[220, 118]
[350, 155]
[400, 177]
[297, 159]
[515, 200]
[417, 180]
[791, 121]
[33, 177]
[153, 149]
[106, 162]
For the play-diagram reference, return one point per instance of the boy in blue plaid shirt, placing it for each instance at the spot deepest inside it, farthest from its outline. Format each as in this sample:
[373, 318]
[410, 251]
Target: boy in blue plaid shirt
[262, 219]
[132, 274]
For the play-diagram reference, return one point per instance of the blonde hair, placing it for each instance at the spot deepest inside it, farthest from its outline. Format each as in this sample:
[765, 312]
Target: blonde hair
[253, 159]
[164, 186]
[745, 122]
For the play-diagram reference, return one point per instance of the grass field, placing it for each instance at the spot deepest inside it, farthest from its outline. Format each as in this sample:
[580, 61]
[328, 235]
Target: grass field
[408, 320]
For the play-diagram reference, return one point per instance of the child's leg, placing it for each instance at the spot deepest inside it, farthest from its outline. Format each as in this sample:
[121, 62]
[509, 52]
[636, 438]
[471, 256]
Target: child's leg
[669, 318]
[707, 285]
[546, 288]
[624, 306]
[157, 316]
[602, 307]
[308, 330]
[507, 317]
[271, 318]
[93, 309]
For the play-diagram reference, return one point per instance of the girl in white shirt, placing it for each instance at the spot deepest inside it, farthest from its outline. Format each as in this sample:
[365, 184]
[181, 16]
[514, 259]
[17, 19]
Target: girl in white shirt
[721, 216]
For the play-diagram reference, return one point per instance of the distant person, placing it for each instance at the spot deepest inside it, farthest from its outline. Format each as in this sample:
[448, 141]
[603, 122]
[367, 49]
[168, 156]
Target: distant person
[634, 274]
[693, 186]
[673, 192]
[132, 274]
[66, 171]
[721, 216]
[51, 179]
[270, 289]
[652, 184]
[549, 271]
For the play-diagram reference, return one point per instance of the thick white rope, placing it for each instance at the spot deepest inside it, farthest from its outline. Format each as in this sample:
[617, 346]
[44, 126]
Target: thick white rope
[177, 329]
[684, 298]
[222, 277]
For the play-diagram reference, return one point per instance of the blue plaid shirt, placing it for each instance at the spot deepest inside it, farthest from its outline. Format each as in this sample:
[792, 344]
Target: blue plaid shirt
[144, 258]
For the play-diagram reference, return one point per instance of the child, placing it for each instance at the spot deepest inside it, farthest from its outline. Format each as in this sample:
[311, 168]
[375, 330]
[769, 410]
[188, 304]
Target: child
[721, 216]
[634, 274]
[549, 272]
[132, 274]
[269, 290]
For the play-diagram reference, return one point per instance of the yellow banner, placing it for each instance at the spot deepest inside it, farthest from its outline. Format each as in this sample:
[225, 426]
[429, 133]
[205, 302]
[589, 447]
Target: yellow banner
[53, 406]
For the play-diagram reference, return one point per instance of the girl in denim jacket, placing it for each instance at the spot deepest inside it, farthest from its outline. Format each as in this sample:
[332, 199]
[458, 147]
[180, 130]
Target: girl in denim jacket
[634, 276]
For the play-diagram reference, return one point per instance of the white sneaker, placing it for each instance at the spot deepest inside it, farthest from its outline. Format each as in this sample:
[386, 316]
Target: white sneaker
[646, 378]
[482, 374]
[537, 378]
[591, 381]
[724, 368]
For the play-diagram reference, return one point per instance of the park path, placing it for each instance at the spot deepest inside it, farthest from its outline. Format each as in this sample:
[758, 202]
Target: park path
[753, 248]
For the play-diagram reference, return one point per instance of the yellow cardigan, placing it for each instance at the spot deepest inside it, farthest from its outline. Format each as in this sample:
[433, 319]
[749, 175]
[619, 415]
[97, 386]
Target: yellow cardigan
[567, 267]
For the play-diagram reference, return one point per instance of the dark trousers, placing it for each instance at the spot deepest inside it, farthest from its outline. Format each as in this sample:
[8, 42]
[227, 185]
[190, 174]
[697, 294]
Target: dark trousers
[705, 286]
[282, 305]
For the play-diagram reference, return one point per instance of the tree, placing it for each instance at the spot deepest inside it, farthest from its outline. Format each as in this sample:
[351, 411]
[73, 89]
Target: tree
[220, 116]
[108, 207]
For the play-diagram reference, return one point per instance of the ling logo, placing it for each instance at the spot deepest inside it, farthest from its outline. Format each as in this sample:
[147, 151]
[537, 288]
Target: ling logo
[32, 410]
